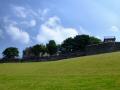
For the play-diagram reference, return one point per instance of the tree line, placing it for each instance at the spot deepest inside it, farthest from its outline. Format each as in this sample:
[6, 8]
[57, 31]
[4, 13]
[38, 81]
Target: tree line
[78, 43]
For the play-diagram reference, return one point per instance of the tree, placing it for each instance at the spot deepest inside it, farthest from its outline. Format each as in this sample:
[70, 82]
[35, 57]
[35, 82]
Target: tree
[80, 42]
[59, 49]
[43, 49]
[67, 45]
[10, 52]
[28, 52]
[37, 50]
[51, 47]
[94, 40]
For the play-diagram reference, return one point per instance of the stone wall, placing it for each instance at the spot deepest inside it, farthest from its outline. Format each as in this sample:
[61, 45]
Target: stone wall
[55, 57]
[102, 48]
[90, 50]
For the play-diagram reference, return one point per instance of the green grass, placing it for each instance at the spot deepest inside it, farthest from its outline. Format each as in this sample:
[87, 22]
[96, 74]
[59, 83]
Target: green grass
[98, 72]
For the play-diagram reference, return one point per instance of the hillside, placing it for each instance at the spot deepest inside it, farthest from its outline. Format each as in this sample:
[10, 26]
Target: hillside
[98, 72]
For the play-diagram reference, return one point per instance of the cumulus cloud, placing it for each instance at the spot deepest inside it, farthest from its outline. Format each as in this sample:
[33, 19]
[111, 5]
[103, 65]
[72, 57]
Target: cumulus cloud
[25, 12]
[114, 29]
[20, 11]
[29, 17]
[23, 18]
[53, 30]
[7, 20]
[43, 13]
[31, 23]
[17, 34]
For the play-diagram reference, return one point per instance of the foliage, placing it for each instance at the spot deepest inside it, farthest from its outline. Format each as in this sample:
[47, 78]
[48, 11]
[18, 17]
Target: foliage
[10, 52]
[51, 47]
[36, 50]
[68, 45]
[80, 42]
[94, 40]
[28, 52]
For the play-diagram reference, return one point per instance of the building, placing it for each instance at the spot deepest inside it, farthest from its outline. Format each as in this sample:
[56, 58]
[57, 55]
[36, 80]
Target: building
[109, 39]
[108, 45]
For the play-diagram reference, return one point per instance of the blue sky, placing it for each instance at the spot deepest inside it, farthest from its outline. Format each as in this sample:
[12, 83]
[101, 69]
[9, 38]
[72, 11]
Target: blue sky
[27, 22]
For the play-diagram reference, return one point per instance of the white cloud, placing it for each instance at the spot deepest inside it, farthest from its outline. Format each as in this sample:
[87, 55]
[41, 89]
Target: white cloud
[7, 20]
[25, 12]
[20, 11]
[29, 16]
[53, 22]
[53, 30]
[43, 13]
[114, 29]
[31, 23]
[17, 34]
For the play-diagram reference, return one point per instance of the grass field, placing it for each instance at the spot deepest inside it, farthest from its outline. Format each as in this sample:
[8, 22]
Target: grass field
[99, 72]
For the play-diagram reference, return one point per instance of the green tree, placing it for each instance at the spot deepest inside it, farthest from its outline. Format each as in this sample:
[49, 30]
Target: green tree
[43, 49]
[80, 42]
[36, 50]
[51, 47]
[10, 52]
[68, 45]
[28, 52]
[94, 40]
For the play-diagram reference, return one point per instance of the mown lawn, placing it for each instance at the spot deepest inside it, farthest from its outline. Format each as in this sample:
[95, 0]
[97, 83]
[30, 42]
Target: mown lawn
[98, 72]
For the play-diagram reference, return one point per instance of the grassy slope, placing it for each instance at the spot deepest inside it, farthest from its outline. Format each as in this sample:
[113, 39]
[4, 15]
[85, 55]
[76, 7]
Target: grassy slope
[100, 72]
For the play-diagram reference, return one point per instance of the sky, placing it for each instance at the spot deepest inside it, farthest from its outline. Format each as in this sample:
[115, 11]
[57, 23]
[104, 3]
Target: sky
[24, 23]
